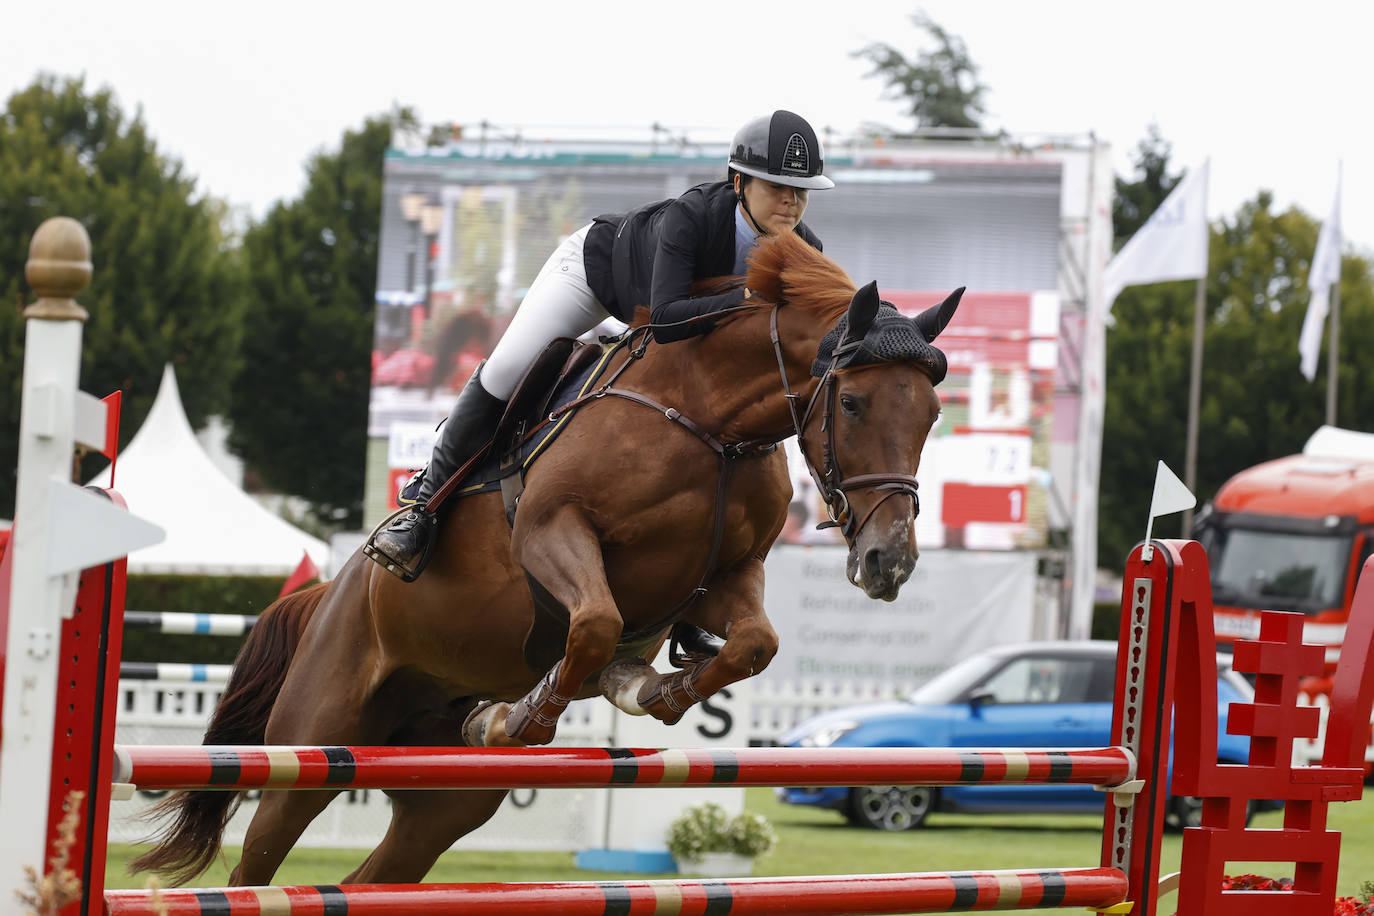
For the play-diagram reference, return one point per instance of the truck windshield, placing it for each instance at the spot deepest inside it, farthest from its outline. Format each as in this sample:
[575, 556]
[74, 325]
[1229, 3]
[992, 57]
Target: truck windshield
[1268, 570]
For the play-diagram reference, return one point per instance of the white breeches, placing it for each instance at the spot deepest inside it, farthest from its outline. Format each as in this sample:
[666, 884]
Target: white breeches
[559, 304]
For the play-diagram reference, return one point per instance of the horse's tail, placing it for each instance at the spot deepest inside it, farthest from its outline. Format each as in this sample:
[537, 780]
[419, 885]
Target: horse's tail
[190, 842]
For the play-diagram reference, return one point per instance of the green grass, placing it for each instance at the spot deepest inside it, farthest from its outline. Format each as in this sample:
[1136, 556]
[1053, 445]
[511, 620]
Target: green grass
[813, 842]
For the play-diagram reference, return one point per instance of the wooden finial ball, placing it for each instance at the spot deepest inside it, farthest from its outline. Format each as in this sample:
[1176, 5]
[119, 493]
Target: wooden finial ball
[58, 268]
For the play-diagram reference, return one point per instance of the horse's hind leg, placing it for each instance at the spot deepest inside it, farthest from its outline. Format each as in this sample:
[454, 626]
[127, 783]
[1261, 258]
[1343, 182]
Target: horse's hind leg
[564, 555]
[281, 818]
[324, 701]
[732, 608]
[423, 825]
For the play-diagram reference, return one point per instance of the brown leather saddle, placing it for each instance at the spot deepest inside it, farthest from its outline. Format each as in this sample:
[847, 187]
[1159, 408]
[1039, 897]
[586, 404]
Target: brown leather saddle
[561, 360]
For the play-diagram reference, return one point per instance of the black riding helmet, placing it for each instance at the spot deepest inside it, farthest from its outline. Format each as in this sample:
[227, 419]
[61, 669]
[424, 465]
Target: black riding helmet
[781, 148]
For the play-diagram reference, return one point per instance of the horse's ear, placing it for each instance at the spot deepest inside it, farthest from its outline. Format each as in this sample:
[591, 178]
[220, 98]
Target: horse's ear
[933, 320]
[863, 308]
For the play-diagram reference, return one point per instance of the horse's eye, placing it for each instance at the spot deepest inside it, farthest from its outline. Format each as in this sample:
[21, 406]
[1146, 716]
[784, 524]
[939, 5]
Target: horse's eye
[849, 404]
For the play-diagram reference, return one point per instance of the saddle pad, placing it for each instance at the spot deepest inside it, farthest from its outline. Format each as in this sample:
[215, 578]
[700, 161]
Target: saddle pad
[486, 477]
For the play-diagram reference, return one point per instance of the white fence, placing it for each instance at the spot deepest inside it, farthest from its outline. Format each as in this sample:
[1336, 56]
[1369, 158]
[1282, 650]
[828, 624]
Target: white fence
[559, 820]
[753, 712]
[183, 708]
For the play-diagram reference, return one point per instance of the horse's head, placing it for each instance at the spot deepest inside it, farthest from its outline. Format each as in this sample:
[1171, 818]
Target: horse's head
[865, 428]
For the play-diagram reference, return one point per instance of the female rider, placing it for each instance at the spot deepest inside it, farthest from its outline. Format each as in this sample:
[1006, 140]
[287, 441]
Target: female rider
[610, 266]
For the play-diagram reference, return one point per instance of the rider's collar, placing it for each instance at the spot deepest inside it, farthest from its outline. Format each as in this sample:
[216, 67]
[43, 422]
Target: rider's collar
[745, 238]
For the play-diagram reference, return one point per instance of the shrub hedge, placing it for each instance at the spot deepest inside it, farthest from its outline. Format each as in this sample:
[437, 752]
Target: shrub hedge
[202, 594]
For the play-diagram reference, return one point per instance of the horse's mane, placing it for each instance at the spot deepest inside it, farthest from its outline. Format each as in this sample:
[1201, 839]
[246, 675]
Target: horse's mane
[786, 270]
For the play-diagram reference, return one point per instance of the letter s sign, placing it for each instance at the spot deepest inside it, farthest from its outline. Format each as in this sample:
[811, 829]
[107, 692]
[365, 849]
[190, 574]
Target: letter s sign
[720, 714]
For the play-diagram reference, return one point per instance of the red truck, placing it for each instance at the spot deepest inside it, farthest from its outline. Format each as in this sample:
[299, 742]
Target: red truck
[1291, 535]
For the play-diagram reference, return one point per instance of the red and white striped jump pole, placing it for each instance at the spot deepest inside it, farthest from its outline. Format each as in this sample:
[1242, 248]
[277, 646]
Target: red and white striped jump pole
[798, 896]
[240, 767]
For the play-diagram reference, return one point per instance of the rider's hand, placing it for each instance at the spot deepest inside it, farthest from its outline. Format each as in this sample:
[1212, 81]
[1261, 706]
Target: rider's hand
[747, 293]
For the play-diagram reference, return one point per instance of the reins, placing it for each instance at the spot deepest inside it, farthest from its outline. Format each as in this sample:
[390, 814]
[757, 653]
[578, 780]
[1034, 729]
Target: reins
[636, 351]
[830, 481]
[726, 452]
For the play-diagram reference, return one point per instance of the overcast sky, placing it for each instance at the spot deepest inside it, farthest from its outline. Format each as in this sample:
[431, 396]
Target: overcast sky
[244, 92]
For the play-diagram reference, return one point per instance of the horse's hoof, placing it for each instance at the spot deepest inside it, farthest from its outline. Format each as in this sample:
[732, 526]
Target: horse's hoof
[621, 682]
[482, 727]
[523, 725]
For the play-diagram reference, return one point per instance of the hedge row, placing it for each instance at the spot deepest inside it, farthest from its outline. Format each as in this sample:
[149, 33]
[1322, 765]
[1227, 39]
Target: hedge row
[202, 594]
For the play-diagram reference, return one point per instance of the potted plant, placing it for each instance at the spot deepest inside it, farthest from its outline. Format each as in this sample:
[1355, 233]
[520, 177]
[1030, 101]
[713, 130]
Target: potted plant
[705, 840]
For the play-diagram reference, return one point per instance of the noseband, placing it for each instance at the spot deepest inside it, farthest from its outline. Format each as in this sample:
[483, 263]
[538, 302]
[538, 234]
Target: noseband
[830, 480]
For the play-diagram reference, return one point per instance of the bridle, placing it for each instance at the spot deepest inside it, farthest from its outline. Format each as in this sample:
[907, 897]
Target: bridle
[830, 480]
[831, 483]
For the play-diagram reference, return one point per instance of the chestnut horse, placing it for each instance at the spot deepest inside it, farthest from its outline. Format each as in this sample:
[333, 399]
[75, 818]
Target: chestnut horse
[622, 518]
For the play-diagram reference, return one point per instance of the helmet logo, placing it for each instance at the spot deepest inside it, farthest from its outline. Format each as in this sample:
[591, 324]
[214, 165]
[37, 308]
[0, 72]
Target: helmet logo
[797, 157]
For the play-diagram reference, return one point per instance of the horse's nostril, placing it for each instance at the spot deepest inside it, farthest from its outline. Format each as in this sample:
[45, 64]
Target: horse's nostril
[873, 564]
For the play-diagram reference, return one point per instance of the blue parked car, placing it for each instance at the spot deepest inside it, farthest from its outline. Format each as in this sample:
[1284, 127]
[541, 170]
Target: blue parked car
[1044, 694]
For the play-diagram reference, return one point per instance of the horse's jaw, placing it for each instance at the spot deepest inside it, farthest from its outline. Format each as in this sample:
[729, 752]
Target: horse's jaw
[880, 563]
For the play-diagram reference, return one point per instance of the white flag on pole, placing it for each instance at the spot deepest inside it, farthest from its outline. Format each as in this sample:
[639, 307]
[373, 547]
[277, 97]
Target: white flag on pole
[1326, 270]
[1172, 245]
[1171, 495]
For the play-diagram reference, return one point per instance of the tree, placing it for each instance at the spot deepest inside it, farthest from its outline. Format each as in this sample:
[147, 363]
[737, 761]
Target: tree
[166, 282]
[300, 404]
[940, 87]
[1255, 404]
[1135, 201]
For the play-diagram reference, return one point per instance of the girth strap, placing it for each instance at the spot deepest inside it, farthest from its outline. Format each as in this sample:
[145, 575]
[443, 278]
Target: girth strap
[727, 452]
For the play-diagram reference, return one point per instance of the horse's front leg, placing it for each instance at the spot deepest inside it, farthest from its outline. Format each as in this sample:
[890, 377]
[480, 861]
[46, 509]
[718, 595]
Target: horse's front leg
[565, 556]
[731, 608]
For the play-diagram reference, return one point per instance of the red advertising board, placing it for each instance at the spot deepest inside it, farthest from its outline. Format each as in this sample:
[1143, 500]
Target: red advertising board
[967, 502]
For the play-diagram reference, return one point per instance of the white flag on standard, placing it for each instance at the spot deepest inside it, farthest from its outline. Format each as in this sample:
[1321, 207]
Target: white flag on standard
[1326, 270]
[1172, 245]
[1170, 495]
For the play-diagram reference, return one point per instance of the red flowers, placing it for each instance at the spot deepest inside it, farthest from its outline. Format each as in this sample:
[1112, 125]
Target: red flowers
[1255, 883]
[1345, 906]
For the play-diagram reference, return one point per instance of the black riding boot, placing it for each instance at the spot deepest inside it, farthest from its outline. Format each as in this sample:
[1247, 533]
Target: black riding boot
[403, 547]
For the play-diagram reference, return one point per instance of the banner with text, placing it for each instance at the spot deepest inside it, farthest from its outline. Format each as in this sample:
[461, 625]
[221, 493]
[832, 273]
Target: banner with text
[955, 603]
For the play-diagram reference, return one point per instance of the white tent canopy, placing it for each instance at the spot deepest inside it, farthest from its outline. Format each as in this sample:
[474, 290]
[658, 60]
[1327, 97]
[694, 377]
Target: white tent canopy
[213, 527]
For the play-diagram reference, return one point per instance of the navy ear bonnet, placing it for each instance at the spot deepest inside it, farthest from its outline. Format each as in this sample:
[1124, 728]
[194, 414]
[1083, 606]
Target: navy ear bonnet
[892, 337]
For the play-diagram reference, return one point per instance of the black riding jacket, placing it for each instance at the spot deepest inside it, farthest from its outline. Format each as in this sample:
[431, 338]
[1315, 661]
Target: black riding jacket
[654, 253]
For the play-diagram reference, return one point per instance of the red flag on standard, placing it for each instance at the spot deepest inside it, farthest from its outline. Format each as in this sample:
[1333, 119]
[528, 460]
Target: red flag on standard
[304, 572]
